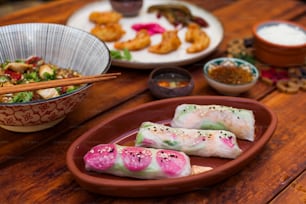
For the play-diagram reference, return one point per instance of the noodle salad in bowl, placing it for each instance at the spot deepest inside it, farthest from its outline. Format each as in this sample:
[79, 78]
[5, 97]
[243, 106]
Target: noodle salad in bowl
[34, 52]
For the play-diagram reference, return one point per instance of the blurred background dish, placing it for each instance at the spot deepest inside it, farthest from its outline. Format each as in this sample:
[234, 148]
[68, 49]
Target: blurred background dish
[230, 76]
[280, 43]
[57, 44]
[143, 59]
[127, 8]
[168, 82]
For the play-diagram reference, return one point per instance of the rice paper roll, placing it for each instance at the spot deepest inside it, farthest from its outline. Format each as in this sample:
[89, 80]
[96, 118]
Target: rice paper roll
[204, 143]
[216, 117]
[137, 162]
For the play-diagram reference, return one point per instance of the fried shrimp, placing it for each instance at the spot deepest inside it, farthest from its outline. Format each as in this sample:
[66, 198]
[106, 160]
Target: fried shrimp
[170, 42]
[109, 32]
[197, 37]
[141, 41]
[105, 17]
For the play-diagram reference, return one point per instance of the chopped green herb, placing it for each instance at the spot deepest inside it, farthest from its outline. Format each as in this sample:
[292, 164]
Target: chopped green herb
[32, 76]
[127, 55]
[115, 54]
[22, 97]
[3, 79]
[3, 65]
[49, 76]
[170, 143]
[71, 88]
[19, 60]
[122, 55]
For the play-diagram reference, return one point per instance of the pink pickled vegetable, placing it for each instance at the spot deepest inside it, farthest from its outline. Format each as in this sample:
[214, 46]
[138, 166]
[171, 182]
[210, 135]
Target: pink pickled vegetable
[152, 28]
[136, 158]
[101, 157]
[137, 162]
[171, 162]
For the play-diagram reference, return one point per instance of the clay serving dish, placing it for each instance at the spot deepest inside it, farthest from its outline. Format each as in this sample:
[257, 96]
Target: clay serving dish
[122, 129]
[168, 82]
[229, 63]
[60, 45]
[278, 53]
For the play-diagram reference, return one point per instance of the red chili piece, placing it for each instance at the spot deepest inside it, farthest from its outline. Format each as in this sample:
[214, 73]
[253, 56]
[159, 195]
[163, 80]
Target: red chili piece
[13, 75]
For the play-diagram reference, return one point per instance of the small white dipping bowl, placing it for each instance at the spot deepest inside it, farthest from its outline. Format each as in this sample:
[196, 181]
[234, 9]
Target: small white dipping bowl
[230, 89]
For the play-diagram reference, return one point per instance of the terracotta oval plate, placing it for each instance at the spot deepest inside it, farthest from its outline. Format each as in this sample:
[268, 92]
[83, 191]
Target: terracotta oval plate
[143, 59]
[122, 129]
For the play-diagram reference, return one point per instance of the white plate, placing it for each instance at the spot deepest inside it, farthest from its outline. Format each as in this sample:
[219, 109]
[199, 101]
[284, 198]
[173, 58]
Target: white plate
[144, 59]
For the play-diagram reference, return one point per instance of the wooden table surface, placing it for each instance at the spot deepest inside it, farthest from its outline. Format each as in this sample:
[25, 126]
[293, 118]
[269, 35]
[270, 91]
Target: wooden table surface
[33, 167]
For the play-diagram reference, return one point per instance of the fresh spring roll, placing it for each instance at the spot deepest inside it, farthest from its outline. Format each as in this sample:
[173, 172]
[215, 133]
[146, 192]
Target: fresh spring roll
[204, 143]
[239, 121]
[137, 162]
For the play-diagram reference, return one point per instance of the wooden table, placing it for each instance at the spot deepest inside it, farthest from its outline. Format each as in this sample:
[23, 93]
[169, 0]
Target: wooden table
[33, 167]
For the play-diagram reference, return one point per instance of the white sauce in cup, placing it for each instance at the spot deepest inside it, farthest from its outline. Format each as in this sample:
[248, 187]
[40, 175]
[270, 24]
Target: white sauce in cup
[283, 34]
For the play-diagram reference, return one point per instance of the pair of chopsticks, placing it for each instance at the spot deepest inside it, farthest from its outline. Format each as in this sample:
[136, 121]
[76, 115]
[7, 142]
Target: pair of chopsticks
[58, 83]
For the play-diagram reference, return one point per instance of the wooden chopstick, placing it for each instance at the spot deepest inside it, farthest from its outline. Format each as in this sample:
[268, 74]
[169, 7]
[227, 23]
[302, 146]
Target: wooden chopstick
[57, 83]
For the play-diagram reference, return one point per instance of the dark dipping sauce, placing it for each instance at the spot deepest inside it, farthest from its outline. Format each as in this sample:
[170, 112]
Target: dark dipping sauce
[230, 75]
[172, 80]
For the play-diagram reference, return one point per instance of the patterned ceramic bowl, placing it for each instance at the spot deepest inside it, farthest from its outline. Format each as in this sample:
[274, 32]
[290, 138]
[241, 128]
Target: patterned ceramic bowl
[231, 76]
[57, 44]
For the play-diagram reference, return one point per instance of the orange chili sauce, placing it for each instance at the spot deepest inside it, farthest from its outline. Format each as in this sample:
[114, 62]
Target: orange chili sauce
[172, 80]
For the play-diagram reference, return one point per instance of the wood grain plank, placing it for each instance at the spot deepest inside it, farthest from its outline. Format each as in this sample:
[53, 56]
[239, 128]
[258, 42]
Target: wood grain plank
[52, 12]
[295, 193]
[41, 176]
[281, 161]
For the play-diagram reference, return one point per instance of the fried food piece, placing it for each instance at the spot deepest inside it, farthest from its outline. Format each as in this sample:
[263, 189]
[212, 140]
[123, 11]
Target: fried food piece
[170, 42]
[141, 41]
[197, 37]
[105, 17]
[108, 32]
